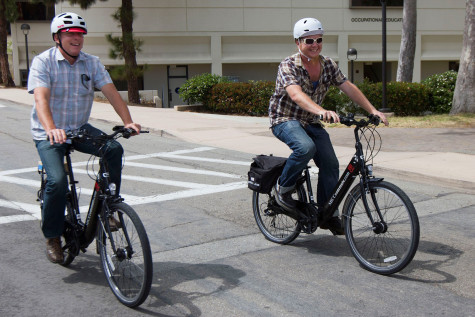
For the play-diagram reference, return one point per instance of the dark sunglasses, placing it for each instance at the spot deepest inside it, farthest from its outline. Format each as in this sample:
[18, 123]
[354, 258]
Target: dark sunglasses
[311, 41]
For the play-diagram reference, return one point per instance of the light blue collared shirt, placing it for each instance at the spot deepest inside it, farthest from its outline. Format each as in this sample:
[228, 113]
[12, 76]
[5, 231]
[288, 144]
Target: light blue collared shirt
[71, 87]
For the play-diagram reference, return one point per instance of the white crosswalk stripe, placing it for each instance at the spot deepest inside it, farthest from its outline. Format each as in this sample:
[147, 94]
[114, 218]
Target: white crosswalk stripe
[185, 189]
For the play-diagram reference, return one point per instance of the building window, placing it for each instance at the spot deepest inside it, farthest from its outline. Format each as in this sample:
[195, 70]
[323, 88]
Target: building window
[454, 66]
[35, 10]
[375, 3]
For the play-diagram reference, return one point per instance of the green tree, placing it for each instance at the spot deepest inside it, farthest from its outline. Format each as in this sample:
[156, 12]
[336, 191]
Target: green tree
[8, 13]
[125, 47]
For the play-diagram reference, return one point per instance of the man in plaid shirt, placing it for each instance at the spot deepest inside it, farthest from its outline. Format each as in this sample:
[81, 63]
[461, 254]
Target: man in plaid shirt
[303, 79]
[62, 80]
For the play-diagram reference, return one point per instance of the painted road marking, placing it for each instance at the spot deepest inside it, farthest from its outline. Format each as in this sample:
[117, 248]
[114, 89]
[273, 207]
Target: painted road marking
[190, 189]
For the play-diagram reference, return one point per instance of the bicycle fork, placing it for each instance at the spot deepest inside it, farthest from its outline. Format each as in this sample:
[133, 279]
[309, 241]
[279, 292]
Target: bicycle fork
[378, 226]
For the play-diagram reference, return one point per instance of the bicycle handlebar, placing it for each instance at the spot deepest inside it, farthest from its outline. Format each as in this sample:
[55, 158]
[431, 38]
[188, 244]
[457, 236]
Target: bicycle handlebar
[119, 131]
[350, 120]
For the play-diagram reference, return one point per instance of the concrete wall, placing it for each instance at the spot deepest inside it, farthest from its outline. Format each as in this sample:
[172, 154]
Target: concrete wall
[248, 38]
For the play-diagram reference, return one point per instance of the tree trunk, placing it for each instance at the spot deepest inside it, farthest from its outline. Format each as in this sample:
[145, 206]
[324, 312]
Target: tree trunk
[408, 42]
[464, 94]
[128, 47]
[6, 77]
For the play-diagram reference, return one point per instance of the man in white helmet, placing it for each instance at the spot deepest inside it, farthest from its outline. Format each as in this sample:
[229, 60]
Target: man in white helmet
[62, 80]
[303, 79]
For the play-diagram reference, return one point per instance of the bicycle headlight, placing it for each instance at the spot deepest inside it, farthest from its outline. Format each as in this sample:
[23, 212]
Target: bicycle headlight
[112, 188]
[369, 168]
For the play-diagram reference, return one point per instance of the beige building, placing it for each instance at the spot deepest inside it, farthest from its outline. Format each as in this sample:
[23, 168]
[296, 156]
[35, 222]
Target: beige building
[246, 39]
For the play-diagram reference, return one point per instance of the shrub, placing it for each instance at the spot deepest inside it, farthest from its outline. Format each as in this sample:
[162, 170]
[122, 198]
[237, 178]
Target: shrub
[402, 98]
[441, 88]
[197, 89]
[336, 100]
[407, 99]
[250, 98]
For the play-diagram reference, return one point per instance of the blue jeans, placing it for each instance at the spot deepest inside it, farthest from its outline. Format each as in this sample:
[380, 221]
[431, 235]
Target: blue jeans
[52, 157]
[311, 142]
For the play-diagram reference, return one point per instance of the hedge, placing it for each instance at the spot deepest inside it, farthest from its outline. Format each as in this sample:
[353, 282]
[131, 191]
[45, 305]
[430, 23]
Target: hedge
[404, 99]
[252, 98]
[441, 88]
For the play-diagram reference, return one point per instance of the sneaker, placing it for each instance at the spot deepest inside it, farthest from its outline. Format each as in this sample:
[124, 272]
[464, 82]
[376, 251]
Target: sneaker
[334, 225]
[284, 200]
[114, 224]
[54, 253]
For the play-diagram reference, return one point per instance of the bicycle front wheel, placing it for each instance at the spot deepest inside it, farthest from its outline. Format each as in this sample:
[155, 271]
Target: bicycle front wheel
[387, 245]
[125, 255]
[69, 240]
[274, 225]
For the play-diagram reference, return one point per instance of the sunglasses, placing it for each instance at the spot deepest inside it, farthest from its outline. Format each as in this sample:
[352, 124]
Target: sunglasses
[311, 41]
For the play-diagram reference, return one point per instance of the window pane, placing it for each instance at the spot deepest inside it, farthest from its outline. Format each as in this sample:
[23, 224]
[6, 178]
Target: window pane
[375, 3]
[35, 11]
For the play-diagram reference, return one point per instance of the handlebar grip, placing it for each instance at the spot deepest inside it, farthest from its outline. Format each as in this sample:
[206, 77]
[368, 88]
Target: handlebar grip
[320, 117]
[374, 119]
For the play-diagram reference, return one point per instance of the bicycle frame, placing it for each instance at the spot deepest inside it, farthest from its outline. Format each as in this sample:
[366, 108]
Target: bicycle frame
[98, 199]
[356, 166]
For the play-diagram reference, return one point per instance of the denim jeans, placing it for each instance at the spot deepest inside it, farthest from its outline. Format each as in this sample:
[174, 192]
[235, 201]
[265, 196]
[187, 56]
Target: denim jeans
[52, 157]
[311, 142]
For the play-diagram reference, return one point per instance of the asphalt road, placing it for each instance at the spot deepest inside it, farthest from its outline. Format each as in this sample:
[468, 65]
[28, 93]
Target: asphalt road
[209, 257]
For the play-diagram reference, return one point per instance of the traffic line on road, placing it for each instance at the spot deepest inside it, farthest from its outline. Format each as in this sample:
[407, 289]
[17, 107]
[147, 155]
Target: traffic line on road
[210, 189]
[33, 211]
[182, 170]
[192, 189]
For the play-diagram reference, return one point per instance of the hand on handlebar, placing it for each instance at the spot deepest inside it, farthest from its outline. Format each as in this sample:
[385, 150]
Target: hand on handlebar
[382, 117]
[56, 136]
[134, 126]
[329, 117]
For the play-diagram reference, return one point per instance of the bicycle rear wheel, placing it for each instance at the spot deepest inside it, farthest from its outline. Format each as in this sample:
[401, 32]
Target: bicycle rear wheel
[389, 245]
[274, 225]
[126, 257]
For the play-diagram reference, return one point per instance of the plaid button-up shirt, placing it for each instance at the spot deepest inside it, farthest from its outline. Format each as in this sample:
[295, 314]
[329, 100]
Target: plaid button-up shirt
[292, 72]
[71, 87]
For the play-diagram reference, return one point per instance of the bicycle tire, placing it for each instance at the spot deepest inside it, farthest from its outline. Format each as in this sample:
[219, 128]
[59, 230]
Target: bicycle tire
[275, 226]
[128, 269]
[382, 251]
[68, 238]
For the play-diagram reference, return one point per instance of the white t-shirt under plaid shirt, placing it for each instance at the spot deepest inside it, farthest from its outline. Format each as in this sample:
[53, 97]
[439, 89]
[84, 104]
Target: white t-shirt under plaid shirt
[292, 72]
[71, 87]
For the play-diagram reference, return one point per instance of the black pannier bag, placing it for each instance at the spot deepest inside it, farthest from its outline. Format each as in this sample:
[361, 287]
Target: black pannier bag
[264, 172]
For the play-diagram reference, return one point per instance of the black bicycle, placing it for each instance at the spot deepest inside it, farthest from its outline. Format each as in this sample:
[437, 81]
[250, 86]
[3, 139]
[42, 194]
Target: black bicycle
[121, 240]
[380, 222]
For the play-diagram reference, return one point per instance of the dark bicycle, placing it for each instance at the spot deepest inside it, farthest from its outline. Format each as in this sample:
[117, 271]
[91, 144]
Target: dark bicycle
[380, 222]
[121, 240]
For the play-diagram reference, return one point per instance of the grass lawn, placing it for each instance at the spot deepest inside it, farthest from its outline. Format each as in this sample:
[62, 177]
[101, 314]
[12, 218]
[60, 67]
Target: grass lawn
[430, 121]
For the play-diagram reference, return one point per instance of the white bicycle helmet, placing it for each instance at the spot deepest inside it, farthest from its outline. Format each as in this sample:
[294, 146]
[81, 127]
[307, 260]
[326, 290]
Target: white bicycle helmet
[69, 22]
[307, 26]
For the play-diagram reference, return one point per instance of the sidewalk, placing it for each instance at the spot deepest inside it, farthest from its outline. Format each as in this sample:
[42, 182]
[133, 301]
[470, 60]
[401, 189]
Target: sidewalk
[452, 163]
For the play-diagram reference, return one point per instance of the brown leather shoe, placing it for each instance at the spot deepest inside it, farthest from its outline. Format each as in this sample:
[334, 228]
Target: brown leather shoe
[114, 224]
[54, 253]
